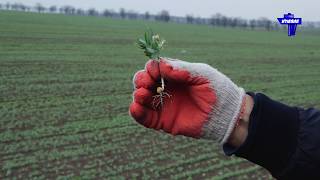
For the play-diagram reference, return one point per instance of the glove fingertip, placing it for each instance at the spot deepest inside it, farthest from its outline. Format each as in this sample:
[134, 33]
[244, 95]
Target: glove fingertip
[137, 111]
[173, 73]
[152, 67]
[143, 79]
[143, 96]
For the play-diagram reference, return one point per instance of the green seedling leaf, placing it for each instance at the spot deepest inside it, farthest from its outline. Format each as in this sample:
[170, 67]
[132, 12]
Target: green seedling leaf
[152, 44]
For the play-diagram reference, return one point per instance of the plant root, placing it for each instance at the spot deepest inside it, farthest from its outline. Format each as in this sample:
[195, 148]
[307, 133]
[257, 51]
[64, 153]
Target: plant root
[159, 98]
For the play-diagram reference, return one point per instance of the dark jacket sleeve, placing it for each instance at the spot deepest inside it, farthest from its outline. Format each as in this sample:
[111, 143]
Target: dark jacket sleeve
[272, 135]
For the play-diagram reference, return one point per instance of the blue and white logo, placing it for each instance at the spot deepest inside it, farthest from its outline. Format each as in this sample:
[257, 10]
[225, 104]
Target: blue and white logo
[291, 22]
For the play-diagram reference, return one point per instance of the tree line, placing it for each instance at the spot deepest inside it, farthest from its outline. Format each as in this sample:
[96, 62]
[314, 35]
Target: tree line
[164, 16]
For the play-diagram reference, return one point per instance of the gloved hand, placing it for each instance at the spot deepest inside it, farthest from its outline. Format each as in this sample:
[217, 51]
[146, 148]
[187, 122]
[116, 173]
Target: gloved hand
[202, 102]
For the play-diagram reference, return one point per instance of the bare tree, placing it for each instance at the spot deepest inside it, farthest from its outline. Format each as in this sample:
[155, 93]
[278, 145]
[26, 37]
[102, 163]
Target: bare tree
[190, 19]
[61, 10]
[234, 22]
[53, 9]
[93, 12]
[224, 21]
[68, 10]
[199, 20]
[309, 25]
[80, 12]
[264, 23]
[147, 15]
[252, 24]
[163, 16]
[72, 10]
[14, 6]
[39, 8]
[268, 25]
[107, 13]
[8, 5]
[23, 7]
[275, 26]
[123, 13]
[216, 20]
[27, 8]
[243, 23]
[132, 15]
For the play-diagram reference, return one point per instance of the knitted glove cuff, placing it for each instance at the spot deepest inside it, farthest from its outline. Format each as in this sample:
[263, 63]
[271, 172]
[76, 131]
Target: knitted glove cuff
[224, 115]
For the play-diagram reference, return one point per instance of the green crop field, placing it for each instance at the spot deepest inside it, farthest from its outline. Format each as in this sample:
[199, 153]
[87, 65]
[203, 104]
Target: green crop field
[65, 88]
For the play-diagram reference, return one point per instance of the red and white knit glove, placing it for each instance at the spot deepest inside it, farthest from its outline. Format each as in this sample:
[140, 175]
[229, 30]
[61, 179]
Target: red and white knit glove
[203, 102]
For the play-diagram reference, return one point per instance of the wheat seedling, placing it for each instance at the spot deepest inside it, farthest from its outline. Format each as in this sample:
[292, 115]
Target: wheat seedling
[152, 45]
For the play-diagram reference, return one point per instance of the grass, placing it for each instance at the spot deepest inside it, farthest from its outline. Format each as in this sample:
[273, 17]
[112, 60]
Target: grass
[65, 87]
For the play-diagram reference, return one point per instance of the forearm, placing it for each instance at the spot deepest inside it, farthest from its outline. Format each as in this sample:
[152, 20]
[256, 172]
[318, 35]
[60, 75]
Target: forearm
[240, 132]
[271, 135]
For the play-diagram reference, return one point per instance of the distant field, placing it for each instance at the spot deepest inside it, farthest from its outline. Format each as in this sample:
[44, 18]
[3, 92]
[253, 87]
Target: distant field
[65, 87]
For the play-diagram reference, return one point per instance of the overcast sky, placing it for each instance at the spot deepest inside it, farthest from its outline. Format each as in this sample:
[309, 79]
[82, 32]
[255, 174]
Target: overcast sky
[308, 10]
